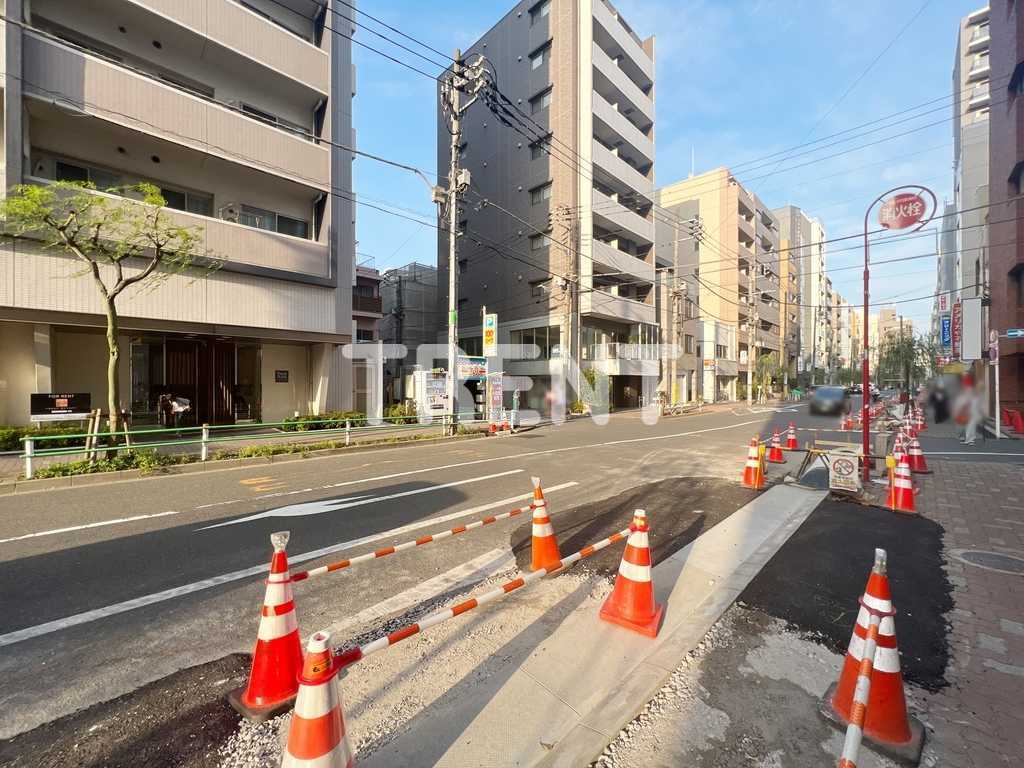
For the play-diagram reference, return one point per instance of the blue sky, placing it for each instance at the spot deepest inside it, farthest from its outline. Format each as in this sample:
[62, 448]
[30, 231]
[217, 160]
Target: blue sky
[736, 80]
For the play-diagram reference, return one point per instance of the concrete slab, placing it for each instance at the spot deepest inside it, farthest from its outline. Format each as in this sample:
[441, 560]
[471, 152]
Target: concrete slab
[581, 684]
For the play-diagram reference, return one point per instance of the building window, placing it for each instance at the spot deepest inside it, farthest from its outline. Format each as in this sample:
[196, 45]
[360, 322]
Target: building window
[364, 334]
[540, 194]
[193, 202]
[539, 241]
[540, 102]
[720, 351]
[540, 148]
[547, 340]
[463, 266]
[539, 287]
[688, 344]
[541, 56]
[540, 11]
[365, 291]
[280, 122]
[259, 218]
[1016, 84]
[688, 309]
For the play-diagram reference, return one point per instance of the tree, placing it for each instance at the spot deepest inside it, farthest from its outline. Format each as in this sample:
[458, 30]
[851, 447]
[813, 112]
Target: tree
[901, 359]
[766, 370]
[122, 243]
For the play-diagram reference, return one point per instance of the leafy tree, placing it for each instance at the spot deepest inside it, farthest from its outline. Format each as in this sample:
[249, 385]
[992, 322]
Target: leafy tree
[766, 370]
[902, 359]
[121, 243]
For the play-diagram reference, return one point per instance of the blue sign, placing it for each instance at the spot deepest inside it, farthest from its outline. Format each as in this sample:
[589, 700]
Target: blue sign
[947, 331]
[1015, 333]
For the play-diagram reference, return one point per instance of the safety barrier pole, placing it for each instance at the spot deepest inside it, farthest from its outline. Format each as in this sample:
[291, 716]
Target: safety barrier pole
[204, 450]
[348, 432]
[30, 451]
[341, 564]
[855, 729]
[345, 658]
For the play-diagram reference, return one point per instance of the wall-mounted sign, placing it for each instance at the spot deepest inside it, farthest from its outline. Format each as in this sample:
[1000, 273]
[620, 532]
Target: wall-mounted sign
[60, 406]
[902, 211]
[709, 365]
[946, 331]
[490, 335]
[281, 377]
[957, 326]
[472, 367]
[943, 302]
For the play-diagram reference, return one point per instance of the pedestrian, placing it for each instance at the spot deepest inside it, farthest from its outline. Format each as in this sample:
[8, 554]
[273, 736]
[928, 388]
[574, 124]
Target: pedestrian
[975, 415]
[961, 406]
[940, 402]
[904, 400]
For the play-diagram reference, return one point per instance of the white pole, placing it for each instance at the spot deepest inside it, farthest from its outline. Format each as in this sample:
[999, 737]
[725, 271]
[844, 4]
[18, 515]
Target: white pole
[30, 450]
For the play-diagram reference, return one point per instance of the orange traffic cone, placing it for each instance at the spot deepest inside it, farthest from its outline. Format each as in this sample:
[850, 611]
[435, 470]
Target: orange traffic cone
[901, 490]
[887, 724]
[317, 734]
[545, 545]
[791, 443]
[631, 603]
[898, 449]
[753, 474]
[775, 452]
[278, 655]
[916, 458]
[844, 423]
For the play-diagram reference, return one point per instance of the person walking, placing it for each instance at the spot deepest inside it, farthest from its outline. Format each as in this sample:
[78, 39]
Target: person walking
[975, 415]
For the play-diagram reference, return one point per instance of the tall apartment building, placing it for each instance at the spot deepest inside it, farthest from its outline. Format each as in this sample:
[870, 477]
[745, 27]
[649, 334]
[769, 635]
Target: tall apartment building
[366, 329]
[1006, 169]
[737, 275]
[578, 202]
[806, 238]
[945, 272]
[411, 318]
[678, 256]
[971, 98]
[228, 107]
[795, 245]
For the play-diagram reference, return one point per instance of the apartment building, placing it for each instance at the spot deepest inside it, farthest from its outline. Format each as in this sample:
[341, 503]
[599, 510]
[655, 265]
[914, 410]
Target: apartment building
[575, 202]
[806, 237]
[795, 247]
[971, 98]
[229, 107]
[945, 273]
[1006, 227]
[367, 371]
[737, 266]
[411, 318]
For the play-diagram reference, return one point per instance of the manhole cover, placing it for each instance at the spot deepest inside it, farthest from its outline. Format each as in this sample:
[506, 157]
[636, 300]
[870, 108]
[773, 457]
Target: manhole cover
[993, 561]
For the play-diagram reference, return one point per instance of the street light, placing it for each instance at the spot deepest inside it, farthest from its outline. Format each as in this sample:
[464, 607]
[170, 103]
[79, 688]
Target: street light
[900, 211]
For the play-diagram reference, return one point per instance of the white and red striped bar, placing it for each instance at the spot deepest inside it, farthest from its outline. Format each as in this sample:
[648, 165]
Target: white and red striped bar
[861, 692]
[342, 564]
[352, 655]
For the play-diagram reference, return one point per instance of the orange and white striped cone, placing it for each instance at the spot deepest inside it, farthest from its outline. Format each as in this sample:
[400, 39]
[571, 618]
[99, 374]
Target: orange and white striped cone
[887, 724]
[631, 603]
[775, 451]
[844, 425]
[277, 658]
[544, 545]
[901, 490]
[898, 448]
[791, 443]
[317, 736]
[918, 465]
[753, 475]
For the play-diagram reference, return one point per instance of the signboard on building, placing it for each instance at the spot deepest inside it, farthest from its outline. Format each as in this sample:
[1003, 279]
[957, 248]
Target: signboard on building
[971, 334]
[957, 326]
[946, 331]
[709, 365]
[943, 302]
[495, 397]
[901, 211]
[60, 406]
[472, 367]
[281, 377]
[490, 335]
[842, 472]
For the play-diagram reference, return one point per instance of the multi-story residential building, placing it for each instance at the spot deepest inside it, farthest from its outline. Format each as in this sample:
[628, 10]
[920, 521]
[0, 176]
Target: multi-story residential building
[367, 372]
[1006, 227]
[232, 110]
[945, 272]
[971, 98]
[807, 236]
[798, 254]
[844, 332]
[573, 206]
[738, 294]
[411, 318]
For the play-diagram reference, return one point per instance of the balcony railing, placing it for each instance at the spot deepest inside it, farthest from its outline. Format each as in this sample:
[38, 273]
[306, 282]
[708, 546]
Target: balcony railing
[366, 304]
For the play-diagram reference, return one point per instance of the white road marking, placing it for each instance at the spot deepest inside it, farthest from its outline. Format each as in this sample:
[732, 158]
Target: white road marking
[187, 589]
[477, 569]
[974, 453]
[335, 505]
[82, 527]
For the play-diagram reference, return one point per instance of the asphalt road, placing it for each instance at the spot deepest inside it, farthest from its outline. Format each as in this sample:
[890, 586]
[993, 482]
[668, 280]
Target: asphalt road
[112, 586]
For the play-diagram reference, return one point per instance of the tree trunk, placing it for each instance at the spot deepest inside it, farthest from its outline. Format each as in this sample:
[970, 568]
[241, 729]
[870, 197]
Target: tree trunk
[113, 359]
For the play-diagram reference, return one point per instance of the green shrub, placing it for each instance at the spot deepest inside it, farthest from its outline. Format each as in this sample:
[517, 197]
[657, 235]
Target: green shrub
[329, 420]
[10, 437]
[144, 460]
[401, 413]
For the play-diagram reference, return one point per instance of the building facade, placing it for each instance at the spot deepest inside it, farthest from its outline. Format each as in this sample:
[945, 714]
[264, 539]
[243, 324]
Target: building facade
[1006, 228]
[411, 317]
[367, 371]
[565, 254]
[231, 109]
[806, 236]
[945, 275]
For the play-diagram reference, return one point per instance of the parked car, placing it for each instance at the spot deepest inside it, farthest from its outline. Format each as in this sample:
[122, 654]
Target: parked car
[856, 389]
[830, 400]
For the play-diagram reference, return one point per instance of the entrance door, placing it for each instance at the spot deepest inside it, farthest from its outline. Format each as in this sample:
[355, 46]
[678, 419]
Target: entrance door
[223, 382]
[183, 374]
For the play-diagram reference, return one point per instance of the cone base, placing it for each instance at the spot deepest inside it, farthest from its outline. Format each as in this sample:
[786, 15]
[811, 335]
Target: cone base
[649, 628]
[908, 754]
[258, 714]
[776, 461]
[920, 471]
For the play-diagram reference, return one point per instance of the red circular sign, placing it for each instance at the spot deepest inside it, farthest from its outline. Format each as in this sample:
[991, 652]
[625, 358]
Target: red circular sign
[902, 211]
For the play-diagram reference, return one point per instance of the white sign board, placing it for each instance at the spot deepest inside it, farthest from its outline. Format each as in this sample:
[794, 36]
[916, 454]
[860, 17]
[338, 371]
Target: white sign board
[842, 471]
[490, 335]
[971, 336]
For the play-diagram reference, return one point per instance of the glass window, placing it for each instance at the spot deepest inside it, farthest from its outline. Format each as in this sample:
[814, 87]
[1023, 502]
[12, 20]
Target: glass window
[256, 217]
[294, 227]
[688, 344]
[364, 334]
[540, 56]
[199, 204]
[720, 350]
[70, 172]
[540, 148]
[174, 198]
[554, 341]
[540, 194]
[528, 339]
[540, 11]
[540, 102]
[539, 241]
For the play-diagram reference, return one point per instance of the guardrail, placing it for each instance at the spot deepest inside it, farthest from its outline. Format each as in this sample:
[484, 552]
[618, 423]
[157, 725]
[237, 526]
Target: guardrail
[207, 434]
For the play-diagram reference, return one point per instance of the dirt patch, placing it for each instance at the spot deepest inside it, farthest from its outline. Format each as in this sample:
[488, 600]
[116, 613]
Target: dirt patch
[679, 510]
[815, 580]
[180, 720]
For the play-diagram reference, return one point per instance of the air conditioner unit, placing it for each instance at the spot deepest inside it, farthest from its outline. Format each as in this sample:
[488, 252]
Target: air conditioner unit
[229, 212]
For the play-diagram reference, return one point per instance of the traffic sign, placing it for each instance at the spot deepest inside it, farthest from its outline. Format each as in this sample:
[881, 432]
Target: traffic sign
[901, 211]
[1015, 333]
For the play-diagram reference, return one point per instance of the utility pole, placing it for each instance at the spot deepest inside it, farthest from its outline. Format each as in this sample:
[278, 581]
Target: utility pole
[676, 319]
[752, 333]
[470, 80]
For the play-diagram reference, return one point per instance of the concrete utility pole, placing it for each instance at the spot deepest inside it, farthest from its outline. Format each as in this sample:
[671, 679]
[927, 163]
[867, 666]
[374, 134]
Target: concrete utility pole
[570, 342]
[676, 320]
[752, 333]
[470, 80]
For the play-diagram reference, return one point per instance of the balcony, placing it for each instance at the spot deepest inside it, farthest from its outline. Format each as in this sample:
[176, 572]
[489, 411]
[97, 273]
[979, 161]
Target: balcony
[768, 313]
[620, 38]
[980, 69]
[614, 79]
[370, 305]
[614, 216]
[617, 261]
[243, 31]
[629, 178]
[979, 16]
[624, 359]
[621, 127]
[980, 97]
[611, 307]
[746, 229]
[979, 40]
[116, 95]
[239, 244]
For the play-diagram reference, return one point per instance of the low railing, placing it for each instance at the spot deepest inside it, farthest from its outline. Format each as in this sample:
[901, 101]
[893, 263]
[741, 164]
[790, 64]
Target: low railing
[206, 435]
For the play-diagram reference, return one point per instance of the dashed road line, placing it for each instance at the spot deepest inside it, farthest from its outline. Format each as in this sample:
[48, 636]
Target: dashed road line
[100, 524]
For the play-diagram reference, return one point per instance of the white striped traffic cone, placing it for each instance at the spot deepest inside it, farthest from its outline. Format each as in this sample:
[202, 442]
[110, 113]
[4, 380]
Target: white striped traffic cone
[544, 544]
[901, 492]
[631, 603]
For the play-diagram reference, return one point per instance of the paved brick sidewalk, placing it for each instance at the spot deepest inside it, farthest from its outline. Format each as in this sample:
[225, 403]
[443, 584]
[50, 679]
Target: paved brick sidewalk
[979, 720]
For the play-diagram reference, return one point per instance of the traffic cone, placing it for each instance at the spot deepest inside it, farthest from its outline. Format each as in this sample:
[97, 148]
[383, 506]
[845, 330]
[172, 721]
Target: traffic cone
[898, 448]
[843, 424]
[545, 545]
[277, 658]
[901, 490]
[753, 475]
[791, 443]
[887, 724]
[317, 736]
[916, 458]
[775, 452]
[631, 603]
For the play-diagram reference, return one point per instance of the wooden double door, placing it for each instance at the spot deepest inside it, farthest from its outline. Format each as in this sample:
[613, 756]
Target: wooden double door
[205, 371]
